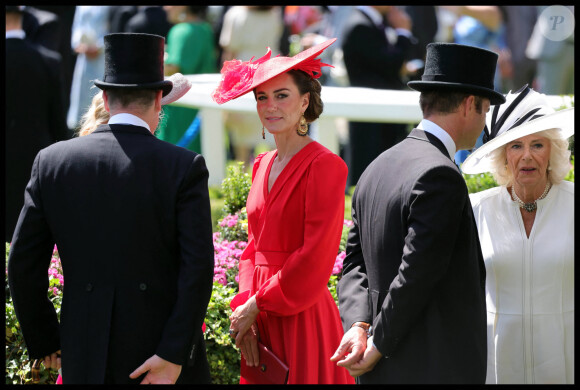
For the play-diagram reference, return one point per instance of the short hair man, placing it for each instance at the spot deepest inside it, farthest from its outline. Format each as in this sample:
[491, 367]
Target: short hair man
[130, 215]
[413, 267]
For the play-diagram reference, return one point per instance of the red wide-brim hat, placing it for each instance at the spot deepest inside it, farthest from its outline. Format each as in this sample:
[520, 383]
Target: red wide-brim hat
[239, 78]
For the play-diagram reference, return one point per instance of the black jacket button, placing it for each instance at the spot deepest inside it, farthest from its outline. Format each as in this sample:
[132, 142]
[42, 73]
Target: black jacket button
[89, 287]
[142, 287]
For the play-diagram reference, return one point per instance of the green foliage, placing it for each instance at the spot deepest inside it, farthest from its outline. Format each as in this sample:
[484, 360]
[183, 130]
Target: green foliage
[216, 200]
[235, 188]
[332, 287]
[343, 238]
[570, 175]
[18, 364]
[479, 182]
[348, 203]
[222, 354]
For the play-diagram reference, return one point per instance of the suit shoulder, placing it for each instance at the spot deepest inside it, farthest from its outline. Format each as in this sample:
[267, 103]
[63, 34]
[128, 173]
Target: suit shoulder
[441, 172]
[177, 151]
[425, 156]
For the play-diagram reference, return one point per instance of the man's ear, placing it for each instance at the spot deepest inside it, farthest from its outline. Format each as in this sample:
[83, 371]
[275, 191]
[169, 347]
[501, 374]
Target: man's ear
[158, 98]
[468, 104]
[106, 101]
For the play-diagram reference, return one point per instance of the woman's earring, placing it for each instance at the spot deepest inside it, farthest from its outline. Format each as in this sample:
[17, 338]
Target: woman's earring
[263, 133]
[549, 167]
[302, 129]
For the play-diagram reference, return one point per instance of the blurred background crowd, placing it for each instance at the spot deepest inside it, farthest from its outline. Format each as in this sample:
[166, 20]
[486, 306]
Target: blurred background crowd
[377, 47]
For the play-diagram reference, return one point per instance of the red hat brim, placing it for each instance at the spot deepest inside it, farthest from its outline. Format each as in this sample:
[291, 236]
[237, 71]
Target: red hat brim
[267, 70]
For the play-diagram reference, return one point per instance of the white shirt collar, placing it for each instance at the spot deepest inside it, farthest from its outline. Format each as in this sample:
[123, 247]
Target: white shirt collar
[20, 34]
[128, 119]
[441, 134]
[372, 13]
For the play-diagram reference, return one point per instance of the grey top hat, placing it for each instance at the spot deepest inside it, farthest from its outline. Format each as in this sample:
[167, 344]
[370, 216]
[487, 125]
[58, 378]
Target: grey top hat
[454, 67]
[134, 61]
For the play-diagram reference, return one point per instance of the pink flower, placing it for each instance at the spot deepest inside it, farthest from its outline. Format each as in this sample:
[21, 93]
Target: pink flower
[220, 279]
[337, 269]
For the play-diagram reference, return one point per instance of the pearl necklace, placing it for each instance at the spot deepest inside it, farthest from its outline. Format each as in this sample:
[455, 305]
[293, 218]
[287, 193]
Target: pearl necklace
[532, 206]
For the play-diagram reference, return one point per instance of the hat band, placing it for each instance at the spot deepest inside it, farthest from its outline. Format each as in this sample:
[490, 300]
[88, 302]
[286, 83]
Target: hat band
[455, 79]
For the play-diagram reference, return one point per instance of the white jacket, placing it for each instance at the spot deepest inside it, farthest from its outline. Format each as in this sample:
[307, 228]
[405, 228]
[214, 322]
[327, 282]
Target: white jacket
[529, 286]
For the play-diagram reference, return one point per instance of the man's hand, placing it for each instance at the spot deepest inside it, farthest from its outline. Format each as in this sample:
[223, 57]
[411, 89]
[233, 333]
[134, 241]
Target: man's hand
[159, 371]
[370, 359]
[52, 361]
[351, 348]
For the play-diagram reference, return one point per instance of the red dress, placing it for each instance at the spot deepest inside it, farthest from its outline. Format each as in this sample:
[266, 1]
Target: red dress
[293, 238]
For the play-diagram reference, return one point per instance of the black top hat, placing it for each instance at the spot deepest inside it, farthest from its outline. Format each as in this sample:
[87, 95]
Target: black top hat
[134, 61]
[454, 67]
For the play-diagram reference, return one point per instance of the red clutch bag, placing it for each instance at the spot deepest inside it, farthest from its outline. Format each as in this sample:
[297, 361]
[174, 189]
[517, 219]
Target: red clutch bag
[270, 370]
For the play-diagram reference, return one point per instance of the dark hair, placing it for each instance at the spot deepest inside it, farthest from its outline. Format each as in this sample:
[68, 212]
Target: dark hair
[305, 84]
[125, 97]
[444, 102]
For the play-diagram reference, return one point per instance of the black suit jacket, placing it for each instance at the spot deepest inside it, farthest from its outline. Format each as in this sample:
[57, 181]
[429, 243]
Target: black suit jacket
[35, 116]
[130, 216]
[414, 267]
[370, 60]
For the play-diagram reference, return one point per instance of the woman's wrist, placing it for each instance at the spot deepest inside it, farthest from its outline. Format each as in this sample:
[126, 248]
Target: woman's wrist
[252, 306]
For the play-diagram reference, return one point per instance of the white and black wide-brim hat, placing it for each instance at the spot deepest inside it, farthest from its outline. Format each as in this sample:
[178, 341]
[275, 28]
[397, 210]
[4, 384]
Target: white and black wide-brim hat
[525, 112]
[134, 61]
[462, 68]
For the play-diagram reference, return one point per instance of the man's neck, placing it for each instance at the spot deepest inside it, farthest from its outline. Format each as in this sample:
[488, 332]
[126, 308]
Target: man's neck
[131, 117]
[13, 21]
[450, 125]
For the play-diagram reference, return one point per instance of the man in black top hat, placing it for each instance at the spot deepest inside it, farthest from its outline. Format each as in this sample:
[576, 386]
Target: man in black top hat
[413, 277]
[130, 216]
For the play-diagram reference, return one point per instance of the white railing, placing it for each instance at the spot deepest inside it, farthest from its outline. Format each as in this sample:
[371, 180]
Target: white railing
[356, 104]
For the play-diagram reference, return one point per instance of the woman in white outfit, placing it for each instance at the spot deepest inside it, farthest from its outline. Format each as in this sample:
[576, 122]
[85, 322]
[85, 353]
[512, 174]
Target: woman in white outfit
[526, 230]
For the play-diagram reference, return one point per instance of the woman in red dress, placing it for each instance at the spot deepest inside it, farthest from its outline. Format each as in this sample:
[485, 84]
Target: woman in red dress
[295, 215]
